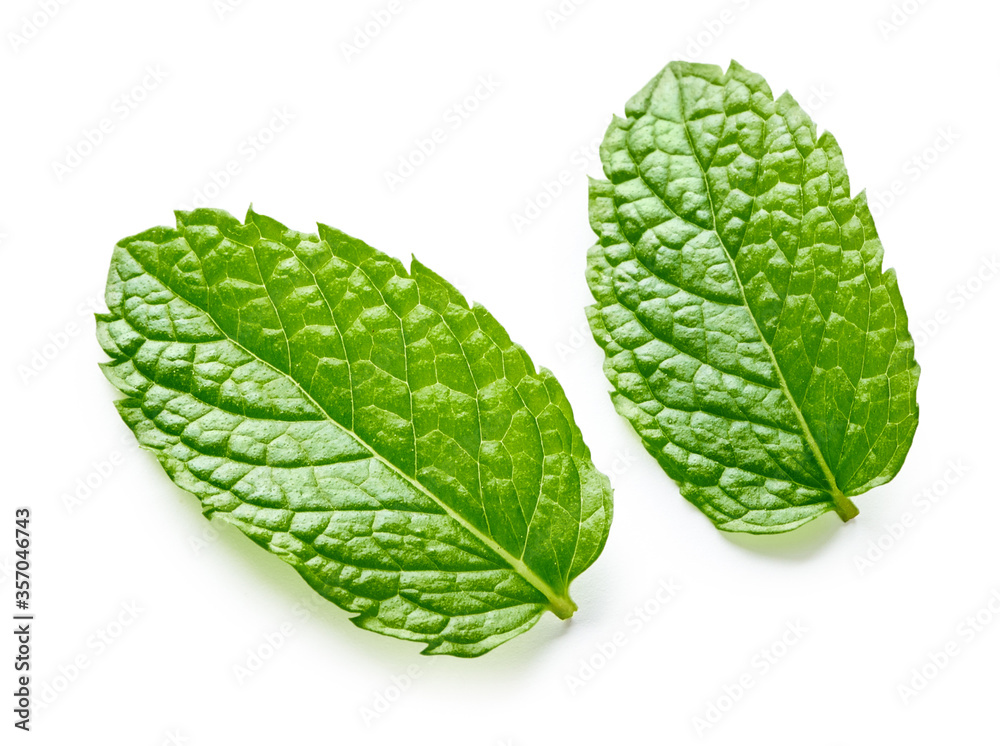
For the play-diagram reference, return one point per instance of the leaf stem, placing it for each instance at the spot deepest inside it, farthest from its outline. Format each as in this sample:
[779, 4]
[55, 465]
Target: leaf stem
[562, 606]
[843, 505]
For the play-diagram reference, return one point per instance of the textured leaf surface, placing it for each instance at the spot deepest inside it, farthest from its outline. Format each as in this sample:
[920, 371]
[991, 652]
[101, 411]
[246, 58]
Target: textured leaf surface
[751, 336]
[361, 422]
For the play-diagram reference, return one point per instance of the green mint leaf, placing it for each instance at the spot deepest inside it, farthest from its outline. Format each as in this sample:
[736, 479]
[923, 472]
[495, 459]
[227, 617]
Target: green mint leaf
[751, 336]
[361, 422]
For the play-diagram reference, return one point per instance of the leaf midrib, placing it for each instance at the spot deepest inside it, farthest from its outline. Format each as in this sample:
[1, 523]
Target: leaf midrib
[561, 605]
[841, 503]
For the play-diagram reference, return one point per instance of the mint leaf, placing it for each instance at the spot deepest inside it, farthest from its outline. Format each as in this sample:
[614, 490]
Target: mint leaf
[751, 336]
[361, 422]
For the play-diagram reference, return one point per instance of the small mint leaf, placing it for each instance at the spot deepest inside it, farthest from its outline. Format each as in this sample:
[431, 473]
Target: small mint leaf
[751, 336]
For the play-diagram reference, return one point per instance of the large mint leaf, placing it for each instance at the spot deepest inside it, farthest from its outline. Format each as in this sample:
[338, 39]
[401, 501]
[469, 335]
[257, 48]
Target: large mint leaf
[361, 422]
[751, 336]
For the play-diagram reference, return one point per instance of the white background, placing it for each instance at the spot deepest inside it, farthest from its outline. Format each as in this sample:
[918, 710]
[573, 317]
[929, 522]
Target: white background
[886, 78]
